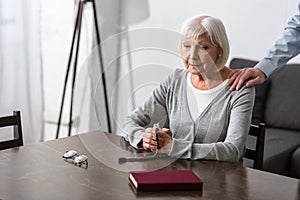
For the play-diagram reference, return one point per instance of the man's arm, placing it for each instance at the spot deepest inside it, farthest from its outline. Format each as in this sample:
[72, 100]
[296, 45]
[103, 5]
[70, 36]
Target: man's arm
[285, 48]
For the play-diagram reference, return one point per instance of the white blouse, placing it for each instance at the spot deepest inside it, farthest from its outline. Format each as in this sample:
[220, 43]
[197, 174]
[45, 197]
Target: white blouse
[198, 100]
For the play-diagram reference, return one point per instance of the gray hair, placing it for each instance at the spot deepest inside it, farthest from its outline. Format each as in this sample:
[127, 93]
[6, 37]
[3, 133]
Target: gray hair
[200, 25]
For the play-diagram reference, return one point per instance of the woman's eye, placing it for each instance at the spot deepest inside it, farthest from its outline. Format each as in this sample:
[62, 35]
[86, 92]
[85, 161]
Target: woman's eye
[202, 47]
[186, 46]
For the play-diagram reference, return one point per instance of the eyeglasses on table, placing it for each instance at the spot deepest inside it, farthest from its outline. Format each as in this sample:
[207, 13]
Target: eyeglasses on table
[75, 158]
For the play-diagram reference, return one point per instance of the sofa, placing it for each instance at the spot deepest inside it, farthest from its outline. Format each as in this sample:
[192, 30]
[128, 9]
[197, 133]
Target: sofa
[277, 104]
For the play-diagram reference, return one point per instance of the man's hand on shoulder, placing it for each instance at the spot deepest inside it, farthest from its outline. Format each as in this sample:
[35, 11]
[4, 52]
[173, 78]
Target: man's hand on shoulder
[249, 76]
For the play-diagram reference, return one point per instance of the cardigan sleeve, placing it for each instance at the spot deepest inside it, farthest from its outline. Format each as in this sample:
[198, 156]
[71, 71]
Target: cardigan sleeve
[153, 110]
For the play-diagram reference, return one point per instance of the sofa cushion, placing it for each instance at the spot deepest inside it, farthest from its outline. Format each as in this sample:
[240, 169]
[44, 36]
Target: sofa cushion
[282, 105]
[261, 91]
[279, 146]
[295, 164]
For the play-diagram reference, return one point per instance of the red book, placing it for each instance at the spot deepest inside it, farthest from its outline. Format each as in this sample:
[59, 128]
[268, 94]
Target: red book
[165, 180]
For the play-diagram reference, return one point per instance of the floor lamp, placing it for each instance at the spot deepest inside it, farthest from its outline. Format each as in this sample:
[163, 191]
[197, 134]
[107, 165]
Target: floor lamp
[76, 36]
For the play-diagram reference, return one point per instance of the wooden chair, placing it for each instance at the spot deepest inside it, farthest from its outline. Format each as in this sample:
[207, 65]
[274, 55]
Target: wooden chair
[256, 154]
[15, 121]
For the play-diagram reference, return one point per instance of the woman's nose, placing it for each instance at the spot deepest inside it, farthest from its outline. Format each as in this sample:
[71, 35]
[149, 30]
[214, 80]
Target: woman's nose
[194, 53]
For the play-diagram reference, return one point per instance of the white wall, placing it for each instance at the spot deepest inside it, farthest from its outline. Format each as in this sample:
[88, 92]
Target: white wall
[252, 26]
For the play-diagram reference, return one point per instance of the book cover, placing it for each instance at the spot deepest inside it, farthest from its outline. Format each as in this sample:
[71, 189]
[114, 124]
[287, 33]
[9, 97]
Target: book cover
[165, 180]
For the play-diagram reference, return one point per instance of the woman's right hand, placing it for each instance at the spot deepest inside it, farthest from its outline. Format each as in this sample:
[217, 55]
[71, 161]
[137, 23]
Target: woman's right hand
[149, 140]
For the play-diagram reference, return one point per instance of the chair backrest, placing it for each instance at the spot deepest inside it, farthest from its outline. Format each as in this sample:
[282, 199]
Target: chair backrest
[15, 121]
[256, 154]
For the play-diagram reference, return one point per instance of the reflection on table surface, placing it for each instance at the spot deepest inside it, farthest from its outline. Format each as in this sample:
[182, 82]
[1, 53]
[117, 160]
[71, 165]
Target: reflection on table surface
[39, 172]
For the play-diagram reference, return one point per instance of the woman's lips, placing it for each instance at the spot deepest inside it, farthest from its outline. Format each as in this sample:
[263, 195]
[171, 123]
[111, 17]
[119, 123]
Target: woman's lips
[194, 65]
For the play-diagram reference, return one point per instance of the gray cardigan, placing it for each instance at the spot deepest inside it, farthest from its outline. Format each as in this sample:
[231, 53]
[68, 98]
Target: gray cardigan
[219, 133]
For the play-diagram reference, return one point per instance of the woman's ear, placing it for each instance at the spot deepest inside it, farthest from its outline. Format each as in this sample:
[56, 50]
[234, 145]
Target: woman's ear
[219, 52]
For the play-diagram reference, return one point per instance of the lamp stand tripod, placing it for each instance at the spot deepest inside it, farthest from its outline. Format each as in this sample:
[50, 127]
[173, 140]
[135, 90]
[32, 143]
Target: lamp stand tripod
[76, 35]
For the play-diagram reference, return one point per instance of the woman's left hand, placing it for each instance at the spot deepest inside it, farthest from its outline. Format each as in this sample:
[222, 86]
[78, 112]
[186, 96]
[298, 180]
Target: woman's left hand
[167, 141]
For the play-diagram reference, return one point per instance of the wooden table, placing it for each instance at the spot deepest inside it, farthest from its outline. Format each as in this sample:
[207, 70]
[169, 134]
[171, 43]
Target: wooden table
[39, 172]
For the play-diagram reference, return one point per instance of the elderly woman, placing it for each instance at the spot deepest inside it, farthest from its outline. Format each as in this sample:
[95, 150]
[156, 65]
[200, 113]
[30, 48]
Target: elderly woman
[200, 117]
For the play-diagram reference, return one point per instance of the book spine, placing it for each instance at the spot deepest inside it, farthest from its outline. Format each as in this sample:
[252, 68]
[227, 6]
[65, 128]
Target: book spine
[184, 186]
